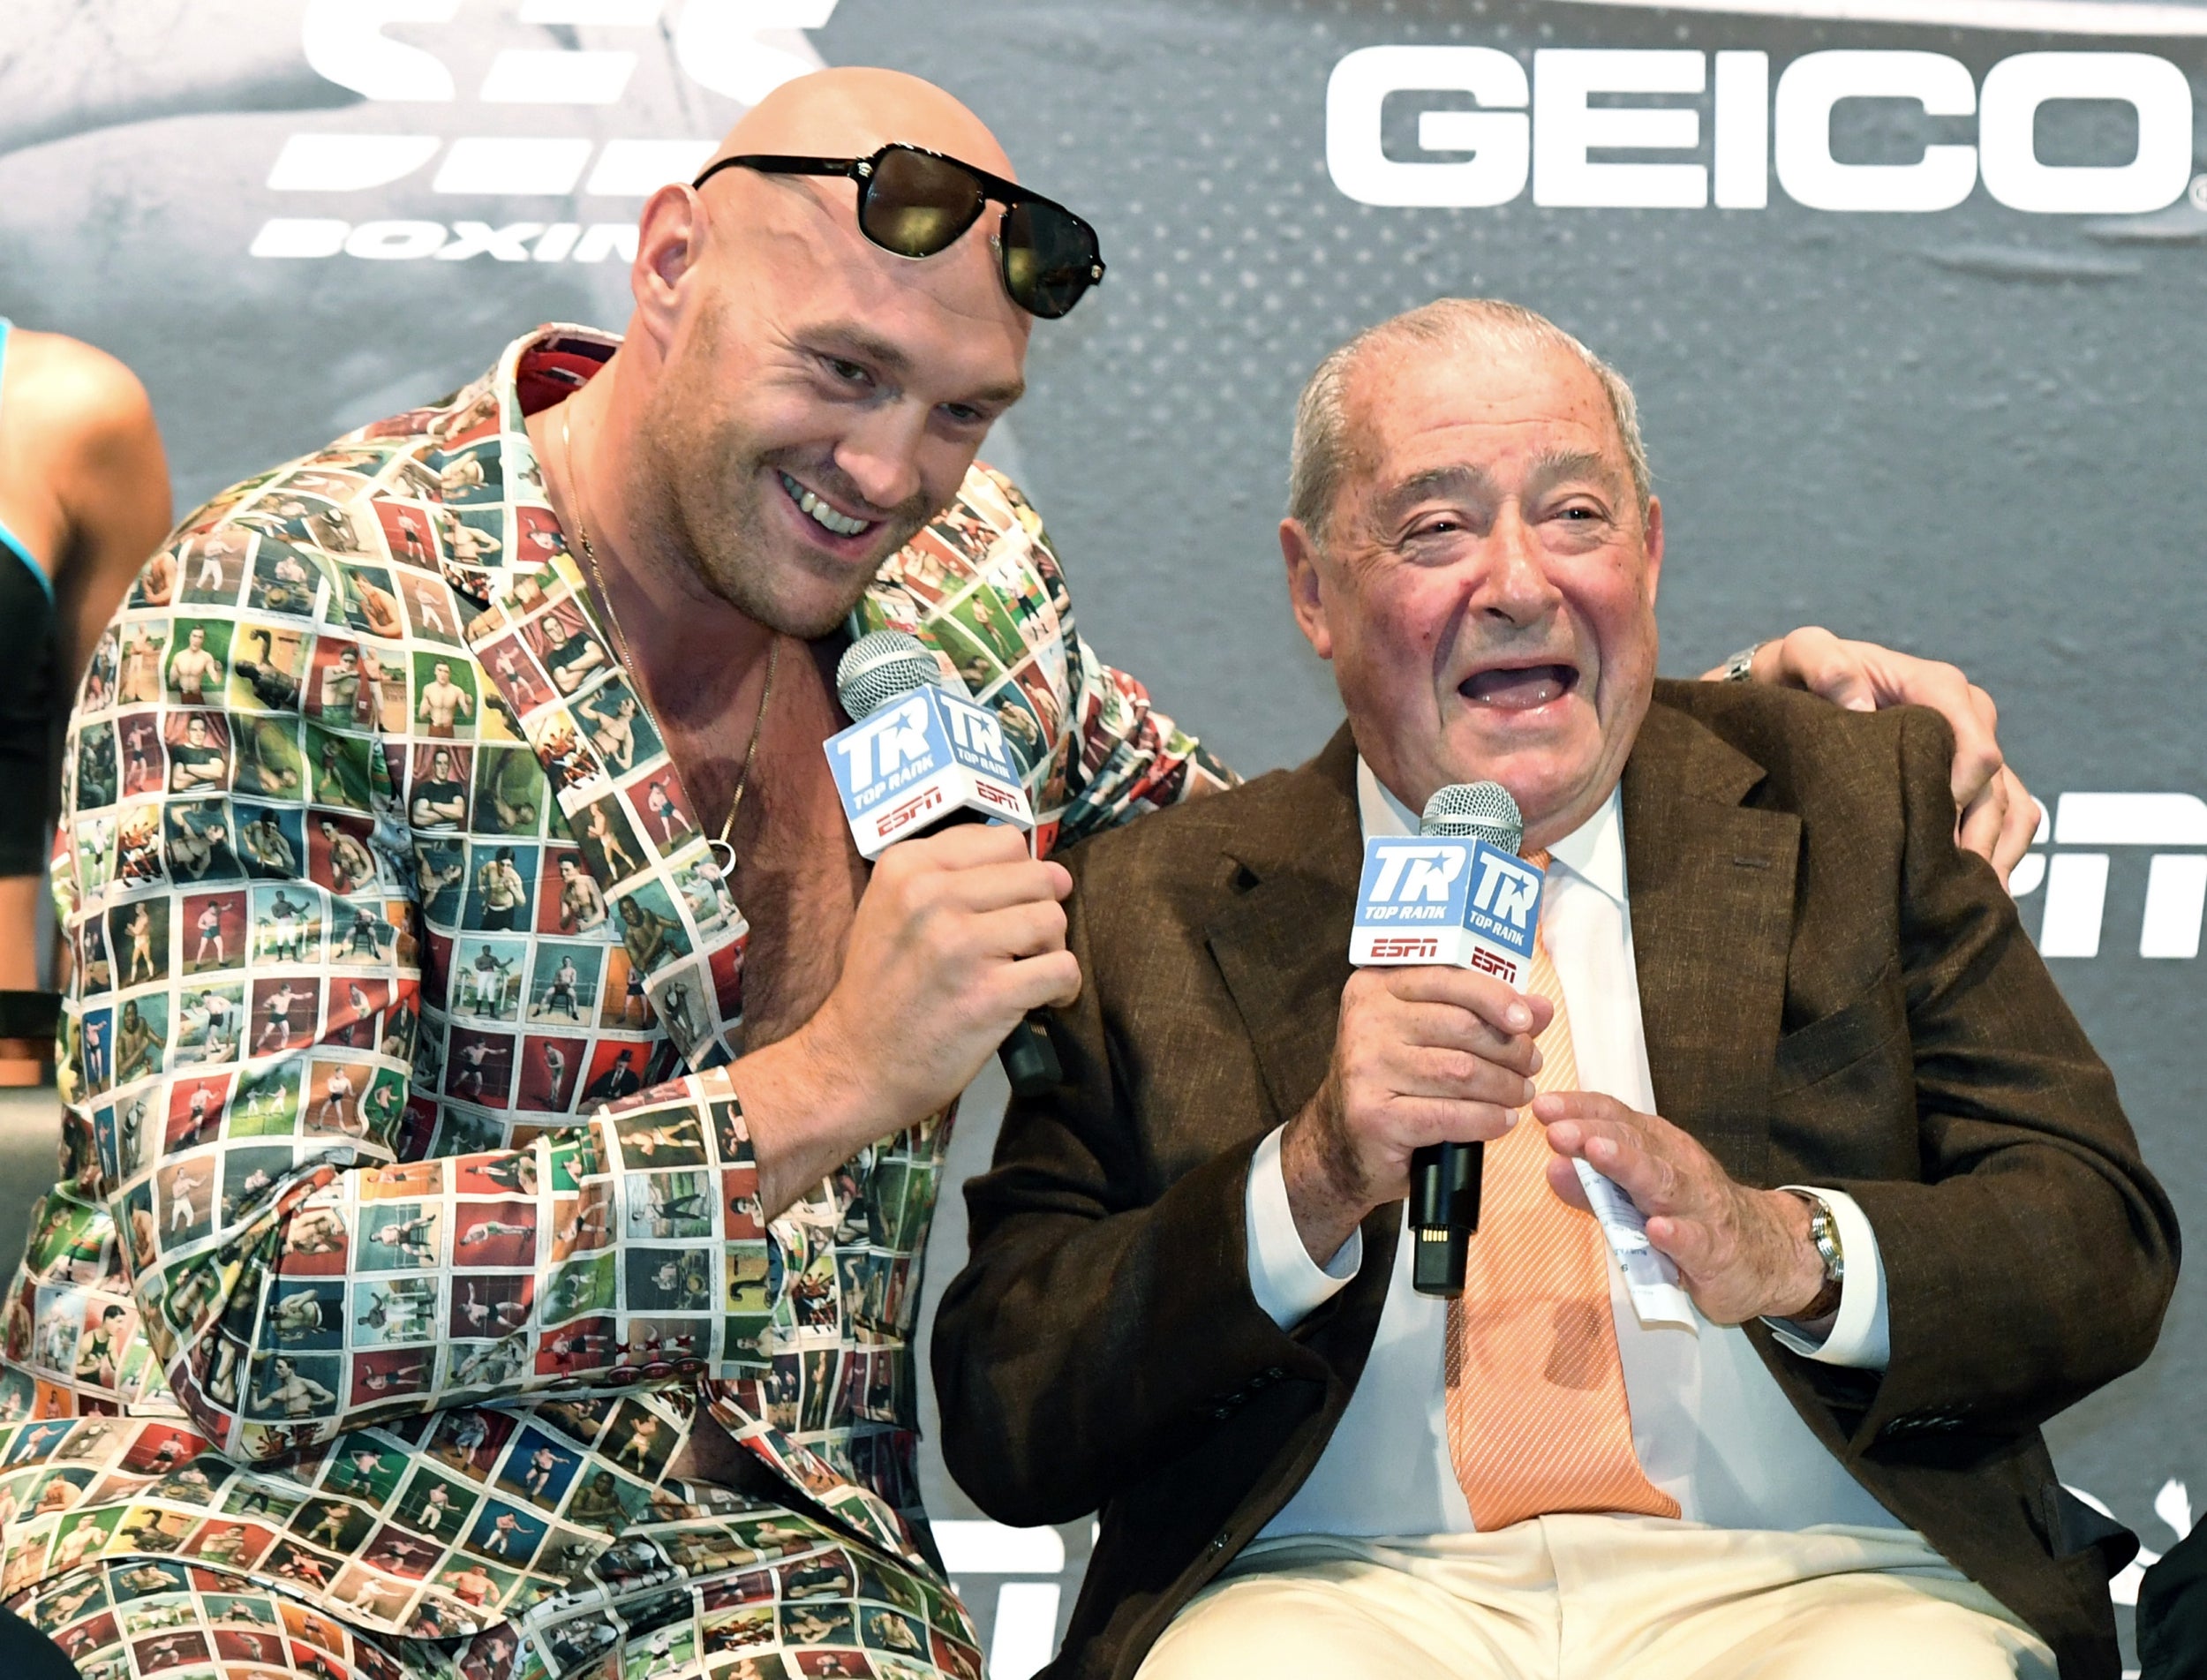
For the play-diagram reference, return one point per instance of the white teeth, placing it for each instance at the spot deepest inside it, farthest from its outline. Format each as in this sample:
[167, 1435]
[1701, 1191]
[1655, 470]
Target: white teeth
[819, 512]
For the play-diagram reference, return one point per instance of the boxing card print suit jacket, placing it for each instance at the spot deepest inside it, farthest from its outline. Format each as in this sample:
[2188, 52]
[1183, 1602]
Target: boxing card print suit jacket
[394, 1059]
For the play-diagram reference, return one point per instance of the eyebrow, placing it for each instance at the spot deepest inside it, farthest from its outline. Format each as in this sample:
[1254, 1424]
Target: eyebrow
[1561, 466]
[1457, 483]
[1467, 483]
[863, 345]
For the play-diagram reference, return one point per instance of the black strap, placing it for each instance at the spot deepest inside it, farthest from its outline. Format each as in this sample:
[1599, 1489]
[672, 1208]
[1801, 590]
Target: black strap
[29, 1015]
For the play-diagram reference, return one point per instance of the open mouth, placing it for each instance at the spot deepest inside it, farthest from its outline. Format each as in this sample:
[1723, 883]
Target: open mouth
[808, 504]
[1521, 688]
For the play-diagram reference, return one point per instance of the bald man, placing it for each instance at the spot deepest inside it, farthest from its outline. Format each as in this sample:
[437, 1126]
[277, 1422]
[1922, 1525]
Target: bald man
[781, 453]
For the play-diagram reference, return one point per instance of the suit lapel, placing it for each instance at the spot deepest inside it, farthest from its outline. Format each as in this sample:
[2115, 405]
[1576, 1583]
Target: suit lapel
[1711, 884]
[1711, 888]
[1282, 941]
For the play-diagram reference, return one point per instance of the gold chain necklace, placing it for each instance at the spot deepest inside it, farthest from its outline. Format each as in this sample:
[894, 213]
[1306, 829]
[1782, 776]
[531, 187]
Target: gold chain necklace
[723, 851]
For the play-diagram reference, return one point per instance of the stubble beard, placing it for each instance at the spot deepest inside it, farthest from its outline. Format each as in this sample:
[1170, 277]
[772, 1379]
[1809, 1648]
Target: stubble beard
[709, 498]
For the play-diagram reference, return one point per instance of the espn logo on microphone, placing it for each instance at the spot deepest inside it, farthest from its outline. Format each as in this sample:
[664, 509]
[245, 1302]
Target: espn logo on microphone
[1459, 903]
[902, 770]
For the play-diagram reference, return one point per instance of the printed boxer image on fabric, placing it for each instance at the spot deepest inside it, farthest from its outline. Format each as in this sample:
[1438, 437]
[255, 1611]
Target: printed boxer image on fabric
[332, 1102]
[265, 1104]
[438, 787]
[198, 843]
[430, 609]
[213, 568]
[339, 765]
[750, 1278]
[439, 874]
[285, 1010]
[616, 1071]
[138, 846]
[197, 747]
[214, 925]
[586, 1345]
[195, 1110]
[488, 982]
[550, 1072]
[661, 1140]
[445, 700]
[251, 1174]
[338, 855]
[488, 1307]
[616, 727]
[269, 761]
[141, 654]
[662, 1205]
[356, 1012]
[580, 1286]
[287, 925]
[569, 900]
[611, 850]
[509, 794]
[292, 1386]
[436, 1504]
[401, 1237]
[98, 776]
[583, 1221]
[139, 932]
[409, 535]
[309, 1318]
[498, 888]
[481, 1067]
[270, 842]
[195, 670]
[661, 1280]
[681, 1004]
[402, 1311]
[650, 933]
[391, 1373]
[267, 664]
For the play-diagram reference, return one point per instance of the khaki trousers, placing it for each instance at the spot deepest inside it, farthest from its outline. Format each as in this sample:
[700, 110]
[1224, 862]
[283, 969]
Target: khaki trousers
[1599, 1598]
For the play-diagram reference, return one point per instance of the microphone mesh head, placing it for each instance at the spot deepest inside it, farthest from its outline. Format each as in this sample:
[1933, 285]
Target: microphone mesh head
[1480, 810]
[882, 667]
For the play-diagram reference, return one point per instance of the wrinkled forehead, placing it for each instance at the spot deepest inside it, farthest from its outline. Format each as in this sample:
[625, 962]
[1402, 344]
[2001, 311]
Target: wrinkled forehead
[1497, 404]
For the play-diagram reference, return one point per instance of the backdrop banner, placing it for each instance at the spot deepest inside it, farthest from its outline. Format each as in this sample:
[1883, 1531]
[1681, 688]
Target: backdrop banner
[1909, 289]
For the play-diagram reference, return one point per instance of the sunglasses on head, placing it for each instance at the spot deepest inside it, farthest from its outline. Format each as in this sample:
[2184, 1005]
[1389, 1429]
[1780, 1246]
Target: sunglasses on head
[918, 203]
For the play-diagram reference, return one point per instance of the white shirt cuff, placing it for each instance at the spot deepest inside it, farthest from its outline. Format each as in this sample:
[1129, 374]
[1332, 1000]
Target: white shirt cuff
[1861, 1335]
[1288, 1283]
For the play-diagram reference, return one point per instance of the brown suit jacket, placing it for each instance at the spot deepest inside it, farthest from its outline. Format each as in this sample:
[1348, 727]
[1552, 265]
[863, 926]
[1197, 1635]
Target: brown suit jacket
[1832, 993]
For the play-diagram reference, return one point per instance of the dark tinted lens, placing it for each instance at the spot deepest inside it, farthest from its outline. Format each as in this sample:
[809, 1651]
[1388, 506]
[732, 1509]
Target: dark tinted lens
[1050, 258]
[916, 205]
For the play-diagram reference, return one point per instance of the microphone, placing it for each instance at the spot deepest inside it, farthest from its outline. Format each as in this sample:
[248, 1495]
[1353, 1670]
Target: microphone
[1457, 895]
[918, 756]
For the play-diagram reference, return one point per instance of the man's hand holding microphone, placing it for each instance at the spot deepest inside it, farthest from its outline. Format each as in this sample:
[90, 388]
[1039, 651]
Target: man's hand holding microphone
[1422, 1055]
[1434, 1055]
[960, 934]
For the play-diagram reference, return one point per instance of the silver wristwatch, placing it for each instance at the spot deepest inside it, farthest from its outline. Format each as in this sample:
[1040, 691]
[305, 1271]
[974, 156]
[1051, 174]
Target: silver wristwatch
[1824, 1232]
[1741, 666]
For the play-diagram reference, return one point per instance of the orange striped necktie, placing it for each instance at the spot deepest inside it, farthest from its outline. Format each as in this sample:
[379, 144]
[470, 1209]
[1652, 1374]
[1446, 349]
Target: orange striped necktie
[1538, 1419]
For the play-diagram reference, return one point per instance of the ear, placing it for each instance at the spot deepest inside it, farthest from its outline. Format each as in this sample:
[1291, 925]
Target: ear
[670, 243]
[1305, 586]
[1655, 544]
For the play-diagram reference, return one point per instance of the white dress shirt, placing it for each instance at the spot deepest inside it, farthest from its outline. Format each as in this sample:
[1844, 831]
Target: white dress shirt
[1711, 1427]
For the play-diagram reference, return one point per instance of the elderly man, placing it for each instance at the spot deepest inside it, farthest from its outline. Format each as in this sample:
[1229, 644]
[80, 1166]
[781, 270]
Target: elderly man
[781, 453]
[1774, 1003]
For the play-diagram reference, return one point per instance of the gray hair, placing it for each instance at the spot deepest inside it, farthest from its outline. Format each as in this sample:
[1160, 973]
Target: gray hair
[1322, 448]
